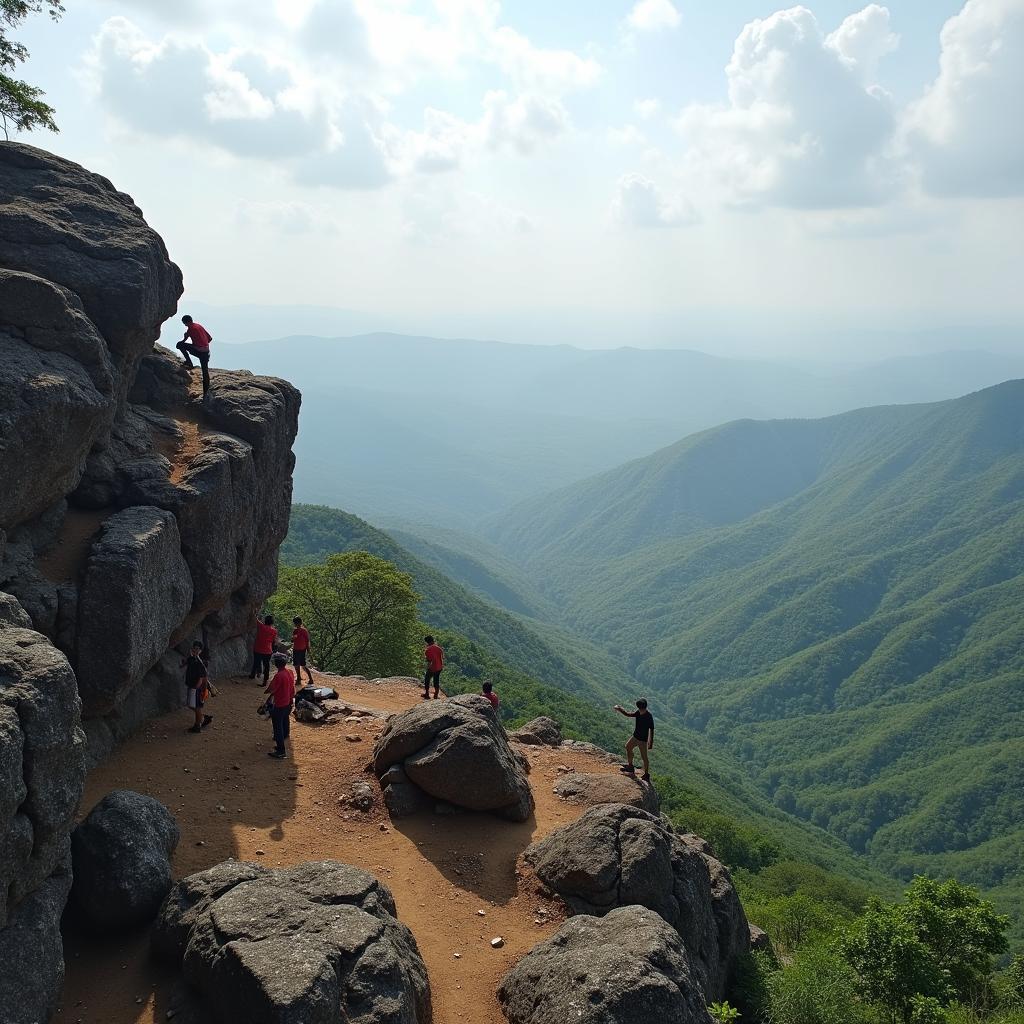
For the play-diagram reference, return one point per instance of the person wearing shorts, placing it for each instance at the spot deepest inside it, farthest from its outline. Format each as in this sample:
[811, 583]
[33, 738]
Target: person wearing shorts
[300, 650]
[435, 666]
[197, 686]
[642, 738]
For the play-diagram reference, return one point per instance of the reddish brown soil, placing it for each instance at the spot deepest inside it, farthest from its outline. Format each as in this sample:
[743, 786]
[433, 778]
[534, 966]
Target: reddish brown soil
[231, 800]
[66, 559]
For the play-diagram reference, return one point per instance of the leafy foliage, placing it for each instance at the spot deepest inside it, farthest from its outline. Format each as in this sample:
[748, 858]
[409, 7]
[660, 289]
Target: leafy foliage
[21, 105]
[360, 610]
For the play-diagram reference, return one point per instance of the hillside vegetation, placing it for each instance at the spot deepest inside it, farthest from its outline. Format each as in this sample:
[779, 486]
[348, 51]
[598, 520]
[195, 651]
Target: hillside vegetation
[837, 603]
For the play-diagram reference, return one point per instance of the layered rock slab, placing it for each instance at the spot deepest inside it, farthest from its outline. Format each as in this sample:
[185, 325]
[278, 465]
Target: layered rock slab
[629, 967]
[456, 751]
[313, 944]
[616, 855]
[592, 788]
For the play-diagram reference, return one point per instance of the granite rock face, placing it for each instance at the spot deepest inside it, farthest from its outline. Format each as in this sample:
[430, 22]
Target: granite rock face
[317, 943]
[592, 788]
[135, 516]
[539, 732]
[121, 857]
[617, 855]
[457, 752]
[628, 967]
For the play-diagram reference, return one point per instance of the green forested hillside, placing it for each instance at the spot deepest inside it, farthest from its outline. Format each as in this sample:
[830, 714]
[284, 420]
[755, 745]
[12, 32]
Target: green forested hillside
[838, 603]
[540, 669]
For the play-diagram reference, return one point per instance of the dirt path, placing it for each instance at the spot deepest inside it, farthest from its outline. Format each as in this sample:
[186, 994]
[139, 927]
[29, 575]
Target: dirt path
[231, 800]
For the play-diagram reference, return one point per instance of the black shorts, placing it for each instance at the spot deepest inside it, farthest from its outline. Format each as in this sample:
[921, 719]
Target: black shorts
[429, 676]
[299, 659]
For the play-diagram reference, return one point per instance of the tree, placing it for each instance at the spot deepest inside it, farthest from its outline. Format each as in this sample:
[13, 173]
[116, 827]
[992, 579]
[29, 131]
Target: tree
[21, 105]
[936, 945]
[360, 611]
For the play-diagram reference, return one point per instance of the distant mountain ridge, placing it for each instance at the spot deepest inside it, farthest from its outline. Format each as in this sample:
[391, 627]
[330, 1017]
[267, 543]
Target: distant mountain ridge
[836, 602]
[447, 432]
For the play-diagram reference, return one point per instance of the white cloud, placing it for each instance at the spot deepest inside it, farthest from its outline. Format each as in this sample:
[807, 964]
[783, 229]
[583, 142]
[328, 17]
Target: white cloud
[647, 109]
[525, 122]
[433, 215]
[553, 71]
[965, 132]
[653, 16]
[864, 39]
[639, 203]
[627, 135]
[287, 217]
[802, 128]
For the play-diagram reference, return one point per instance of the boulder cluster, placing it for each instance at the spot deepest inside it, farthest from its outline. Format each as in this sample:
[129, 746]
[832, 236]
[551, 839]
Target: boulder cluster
[133, 518]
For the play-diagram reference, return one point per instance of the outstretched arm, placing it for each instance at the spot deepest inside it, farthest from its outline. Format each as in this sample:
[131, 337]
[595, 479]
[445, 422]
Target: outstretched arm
[622, 711]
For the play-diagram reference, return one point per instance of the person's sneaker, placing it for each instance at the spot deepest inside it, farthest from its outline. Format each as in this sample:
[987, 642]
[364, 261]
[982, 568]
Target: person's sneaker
[207, 719]
[276, 754]
[195, 728]
[628, 769]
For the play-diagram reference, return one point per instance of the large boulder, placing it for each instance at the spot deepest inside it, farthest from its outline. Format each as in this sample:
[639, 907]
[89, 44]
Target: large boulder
[135, 593]
[121, 855]
[313, 944]
[457, 751]
[63, 223]
[32, 954]
[628, 967]
[56, 394]
[539, 732]
[616, 855]
[592, 788]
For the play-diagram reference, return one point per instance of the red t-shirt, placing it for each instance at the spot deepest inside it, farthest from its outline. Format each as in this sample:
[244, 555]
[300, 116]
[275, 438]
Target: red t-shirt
[282, 688]
[435, 658]
[265, 637]
[200, 336]
[300, 638]
[493, 698]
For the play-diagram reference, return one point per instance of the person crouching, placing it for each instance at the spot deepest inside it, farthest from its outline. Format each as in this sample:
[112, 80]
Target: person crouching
[282, 691]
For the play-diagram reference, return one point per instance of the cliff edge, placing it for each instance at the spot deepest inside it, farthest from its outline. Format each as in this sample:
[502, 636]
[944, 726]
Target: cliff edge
[134, 517]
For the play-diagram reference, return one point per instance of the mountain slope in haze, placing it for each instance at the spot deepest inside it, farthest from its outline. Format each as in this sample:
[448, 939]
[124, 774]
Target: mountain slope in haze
[838, 603]
[543, 663]
[446, 432]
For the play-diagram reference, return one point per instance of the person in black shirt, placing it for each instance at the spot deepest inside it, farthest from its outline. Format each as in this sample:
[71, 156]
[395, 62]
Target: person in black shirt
[642, 738]
[197, 686]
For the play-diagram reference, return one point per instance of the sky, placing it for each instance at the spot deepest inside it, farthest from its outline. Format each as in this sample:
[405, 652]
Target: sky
[592, 171]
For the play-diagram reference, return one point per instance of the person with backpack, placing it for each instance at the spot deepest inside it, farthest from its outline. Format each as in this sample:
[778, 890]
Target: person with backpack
[263, 648]
[197, 686]
[434, 656]
[196, 343]
[642, 738]
[300, 650]
[282, 692]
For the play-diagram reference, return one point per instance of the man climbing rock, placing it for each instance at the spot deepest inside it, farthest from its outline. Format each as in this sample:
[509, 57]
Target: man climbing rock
[197, 686]
[435, 665]
[642, 738]
[282, 691]
[263, 648]
[196, 343]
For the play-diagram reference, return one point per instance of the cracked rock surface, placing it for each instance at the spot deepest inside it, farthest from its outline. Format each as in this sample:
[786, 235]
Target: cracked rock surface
[616, 855]
[317, 943]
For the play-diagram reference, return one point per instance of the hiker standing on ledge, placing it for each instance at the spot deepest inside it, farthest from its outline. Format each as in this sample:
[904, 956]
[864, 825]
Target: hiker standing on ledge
[199, 347]
[435, 665]
[643, 737]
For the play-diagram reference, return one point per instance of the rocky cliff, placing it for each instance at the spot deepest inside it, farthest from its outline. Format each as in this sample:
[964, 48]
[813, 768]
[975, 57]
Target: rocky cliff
[134, 517]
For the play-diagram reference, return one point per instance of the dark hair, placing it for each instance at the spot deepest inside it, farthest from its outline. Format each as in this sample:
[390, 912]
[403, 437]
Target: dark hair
[186, 319]
[428, 639]
[197, 643]
[297, 620]
[641, 704]
[488, 687]
[280, 660]
[268, 620]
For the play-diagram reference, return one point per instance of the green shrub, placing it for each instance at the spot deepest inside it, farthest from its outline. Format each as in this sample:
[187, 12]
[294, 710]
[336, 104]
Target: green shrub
[723, 1013]
[818, 987]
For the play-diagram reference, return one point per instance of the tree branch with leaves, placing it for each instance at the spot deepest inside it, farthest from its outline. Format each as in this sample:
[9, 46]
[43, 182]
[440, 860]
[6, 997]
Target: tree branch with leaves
[22, 107]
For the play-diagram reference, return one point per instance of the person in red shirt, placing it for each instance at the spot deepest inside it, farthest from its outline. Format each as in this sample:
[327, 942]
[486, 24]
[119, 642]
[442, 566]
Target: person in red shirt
[263, 648]
[488, 692]
[196, 343]
[282, 691]
[435, 665]
[300, 650]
